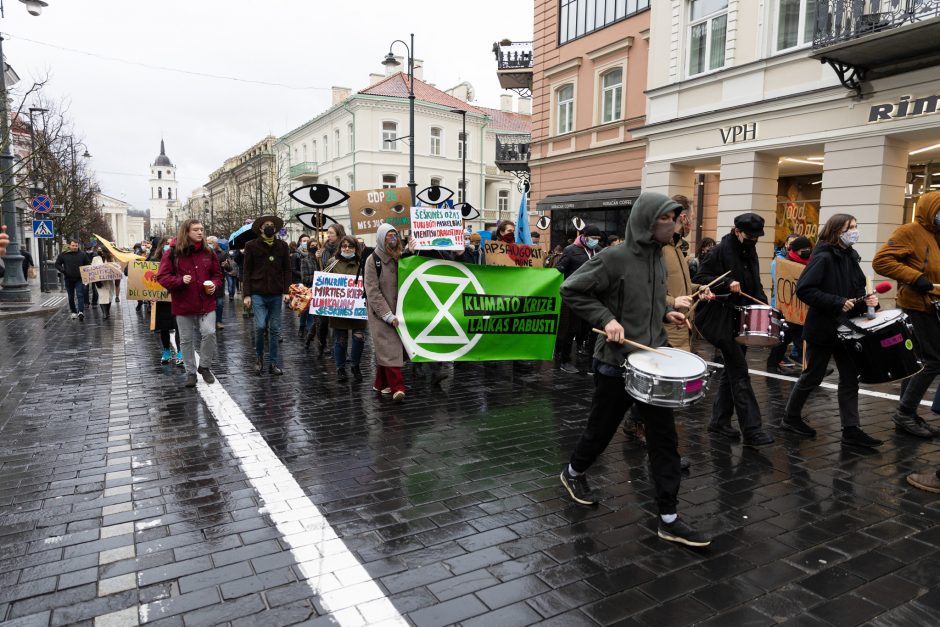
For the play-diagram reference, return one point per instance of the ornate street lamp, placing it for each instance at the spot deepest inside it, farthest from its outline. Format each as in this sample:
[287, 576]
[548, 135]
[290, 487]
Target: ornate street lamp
[390, 62]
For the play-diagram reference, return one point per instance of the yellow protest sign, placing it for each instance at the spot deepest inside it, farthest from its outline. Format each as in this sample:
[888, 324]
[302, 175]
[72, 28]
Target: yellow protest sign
[142, 282]
[787, 274]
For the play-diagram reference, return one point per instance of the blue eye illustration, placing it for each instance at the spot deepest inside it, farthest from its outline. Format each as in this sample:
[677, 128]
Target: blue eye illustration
[434, 195]
[319, 196]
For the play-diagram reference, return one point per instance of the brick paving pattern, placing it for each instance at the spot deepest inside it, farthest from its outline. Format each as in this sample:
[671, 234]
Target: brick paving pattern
[123, 502]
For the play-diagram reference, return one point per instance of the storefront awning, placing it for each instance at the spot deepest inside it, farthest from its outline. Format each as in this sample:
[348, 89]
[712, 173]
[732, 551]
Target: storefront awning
[601, 199]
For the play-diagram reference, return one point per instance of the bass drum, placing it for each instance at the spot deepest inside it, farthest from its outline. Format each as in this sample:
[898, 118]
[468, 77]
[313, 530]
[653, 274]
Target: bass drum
[882, 348]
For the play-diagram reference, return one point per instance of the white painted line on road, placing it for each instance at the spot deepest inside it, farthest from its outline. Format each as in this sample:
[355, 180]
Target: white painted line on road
[831, 386]
[333, 573]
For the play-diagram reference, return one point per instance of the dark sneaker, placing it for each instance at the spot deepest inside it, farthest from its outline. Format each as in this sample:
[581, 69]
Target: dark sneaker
[856, 437]
[81, 315]
[726, 430]
[569, 368]
[911, 424]
[259, 365]
[678, 531]
[929, 482]
[341, 374]
[684, 463]
[759, 438]
[929, 427]
[274, 369]
[356, 373]
[577, 487]
[206, 375]
[190, 380]
[798, 426]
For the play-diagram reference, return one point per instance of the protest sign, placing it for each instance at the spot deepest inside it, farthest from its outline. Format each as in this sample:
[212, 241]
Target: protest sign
[101, 272]
[503, 254]
[787, 274]
[368, 210]
[437, 228]
[449, 311]
[338, 296]
[142, 282]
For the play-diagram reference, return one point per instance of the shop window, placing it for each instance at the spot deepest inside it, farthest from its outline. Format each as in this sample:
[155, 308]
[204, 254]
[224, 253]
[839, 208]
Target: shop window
[708, 30]
[795, 23]
[611, 95]
[564, 112]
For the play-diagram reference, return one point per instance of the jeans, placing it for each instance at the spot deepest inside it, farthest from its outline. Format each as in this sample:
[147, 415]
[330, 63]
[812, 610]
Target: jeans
[188, 326]
[76, 291]
[267, 308]
[817, 360]
[232, 283]
[734, 390]
[927, 343]
[341, 339]
[218, 306]
[608, 407]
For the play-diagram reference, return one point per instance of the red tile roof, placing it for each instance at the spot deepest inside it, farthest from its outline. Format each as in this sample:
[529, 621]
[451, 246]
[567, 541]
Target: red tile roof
[508, 121]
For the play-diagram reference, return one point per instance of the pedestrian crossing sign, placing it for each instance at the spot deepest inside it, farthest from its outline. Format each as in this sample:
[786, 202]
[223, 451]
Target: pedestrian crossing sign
[42, 229]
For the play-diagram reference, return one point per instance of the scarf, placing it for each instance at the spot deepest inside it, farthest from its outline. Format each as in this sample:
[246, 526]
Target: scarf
[267, 240]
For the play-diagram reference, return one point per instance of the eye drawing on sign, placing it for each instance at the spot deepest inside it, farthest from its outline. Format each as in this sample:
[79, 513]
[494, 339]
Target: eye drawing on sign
[543, 223]
[435, 195]
[468, 211]
[317, 196]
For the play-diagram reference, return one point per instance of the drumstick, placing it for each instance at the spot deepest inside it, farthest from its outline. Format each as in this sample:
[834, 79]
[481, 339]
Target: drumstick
[635, 344]
[759, 302]
[698, 292]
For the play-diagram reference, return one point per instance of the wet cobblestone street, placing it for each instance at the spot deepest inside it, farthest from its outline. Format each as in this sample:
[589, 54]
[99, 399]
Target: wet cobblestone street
[260, 500]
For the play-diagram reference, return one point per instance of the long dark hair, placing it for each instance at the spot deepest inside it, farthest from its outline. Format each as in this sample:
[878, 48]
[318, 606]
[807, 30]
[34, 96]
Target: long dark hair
[156, 249]
[349, 239]
[105, 254]
[706, 241]
[833, 228]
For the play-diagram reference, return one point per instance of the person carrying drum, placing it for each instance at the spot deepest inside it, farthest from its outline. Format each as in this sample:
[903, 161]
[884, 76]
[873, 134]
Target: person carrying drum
[623, 290]
[715, 319]
[911, 256]
[833, 287]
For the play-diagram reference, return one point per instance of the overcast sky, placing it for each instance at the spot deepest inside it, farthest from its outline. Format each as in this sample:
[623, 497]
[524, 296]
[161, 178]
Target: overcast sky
[123, 109]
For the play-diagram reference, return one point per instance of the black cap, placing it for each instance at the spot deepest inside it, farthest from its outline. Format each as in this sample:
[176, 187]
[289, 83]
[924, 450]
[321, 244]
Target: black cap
[591, 230]
[800, 243]
[751, 223]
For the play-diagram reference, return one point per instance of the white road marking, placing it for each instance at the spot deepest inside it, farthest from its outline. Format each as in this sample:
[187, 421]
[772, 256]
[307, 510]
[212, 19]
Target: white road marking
[829, 386]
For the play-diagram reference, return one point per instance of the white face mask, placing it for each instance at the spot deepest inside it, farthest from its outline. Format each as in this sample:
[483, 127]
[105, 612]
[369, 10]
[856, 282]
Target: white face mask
[850, 237]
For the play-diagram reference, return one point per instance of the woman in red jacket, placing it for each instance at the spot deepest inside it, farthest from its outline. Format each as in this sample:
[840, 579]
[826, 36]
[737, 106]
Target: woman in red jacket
[191, 272]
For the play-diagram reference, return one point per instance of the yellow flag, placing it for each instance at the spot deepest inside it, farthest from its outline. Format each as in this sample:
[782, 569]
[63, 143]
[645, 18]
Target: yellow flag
[119, 256]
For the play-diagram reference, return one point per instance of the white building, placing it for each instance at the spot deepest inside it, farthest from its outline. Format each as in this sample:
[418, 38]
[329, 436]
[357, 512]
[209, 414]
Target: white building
[743, 116]
[358, 144]
[164, 192]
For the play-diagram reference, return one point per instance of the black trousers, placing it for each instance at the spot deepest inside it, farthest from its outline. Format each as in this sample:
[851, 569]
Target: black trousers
[817, 360]
[794, 335]
[927, 342]
[573, 328]
[608, 407]
[735, 394]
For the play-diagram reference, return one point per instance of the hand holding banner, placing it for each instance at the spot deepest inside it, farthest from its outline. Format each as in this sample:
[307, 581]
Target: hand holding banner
[793, 309]
[102, 272]
[503, 254]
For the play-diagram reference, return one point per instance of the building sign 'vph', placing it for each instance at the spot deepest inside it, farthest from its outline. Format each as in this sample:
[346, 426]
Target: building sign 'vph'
[738, 133]
[904, 108]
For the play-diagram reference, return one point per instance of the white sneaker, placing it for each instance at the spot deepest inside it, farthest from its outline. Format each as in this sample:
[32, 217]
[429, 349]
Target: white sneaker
[81, 315]
[73, 316]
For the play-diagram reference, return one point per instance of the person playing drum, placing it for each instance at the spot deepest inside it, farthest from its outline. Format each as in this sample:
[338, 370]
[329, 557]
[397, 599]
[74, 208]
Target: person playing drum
[833, 286]
[622, 290]
[737, 253]
[911, 256]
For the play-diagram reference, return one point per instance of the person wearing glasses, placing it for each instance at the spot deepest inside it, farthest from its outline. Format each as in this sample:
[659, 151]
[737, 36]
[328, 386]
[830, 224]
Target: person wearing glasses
[737, 253]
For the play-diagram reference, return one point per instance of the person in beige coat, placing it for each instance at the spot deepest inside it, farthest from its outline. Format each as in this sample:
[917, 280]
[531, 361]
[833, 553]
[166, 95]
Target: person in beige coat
[381, 284]
[679, 285]
[106, 289]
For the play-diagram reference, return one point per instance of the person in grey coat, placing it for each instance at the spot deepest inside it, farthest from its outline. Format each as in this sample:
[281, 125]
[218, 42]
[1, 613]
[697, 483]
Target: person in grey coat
[623, 291]
[381, 284]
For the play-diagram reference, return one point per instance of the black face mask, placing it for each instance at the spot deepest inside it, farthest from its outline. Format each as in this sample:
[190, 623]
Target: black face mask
[268, 231]
[749, 244]
[804, 254]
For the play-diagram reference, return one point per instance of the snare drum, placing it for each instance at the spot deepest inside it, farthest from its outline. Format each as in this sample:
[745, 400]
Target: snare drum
[882, 348]
[759, 325]
[675, 381]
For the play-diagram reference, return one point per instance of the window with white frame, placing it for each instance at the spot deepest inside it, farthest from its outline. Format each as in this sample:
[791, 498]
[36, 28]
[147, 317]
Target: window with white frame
[389, 136]
[708, 34]
[326, 148]
[502, 200]
[579, 17]
[352, 182]
[462, 191]
[337, 183]
[351, 135]
[336, 147]
[436, 180]
[564, 109]
[463, 143]
[435, 141]
[611, 95]
[795, 22]
[389, 181]
[305, 152]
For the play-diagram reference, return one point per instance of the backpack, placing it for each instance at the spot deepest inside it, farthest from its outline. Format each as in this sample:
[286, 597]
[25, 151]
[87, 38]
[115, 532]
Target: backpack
[360, 273]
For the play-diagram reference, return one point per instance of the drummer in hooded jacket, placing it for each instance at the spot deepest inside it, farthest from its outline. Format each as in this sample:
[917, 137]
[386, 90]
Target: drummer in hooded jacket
[833, 286]
[737, 252]
[623, 290]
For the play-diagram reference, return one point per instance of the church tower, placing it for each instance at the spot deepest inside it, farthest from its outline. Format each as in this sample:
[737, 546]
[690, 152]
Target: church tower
[164, 193]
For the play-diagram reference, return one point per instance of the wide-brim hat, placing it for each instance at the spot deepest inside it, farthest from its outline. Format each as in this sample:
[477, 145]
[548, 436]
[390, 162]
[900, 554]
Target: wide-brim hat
[278, 223]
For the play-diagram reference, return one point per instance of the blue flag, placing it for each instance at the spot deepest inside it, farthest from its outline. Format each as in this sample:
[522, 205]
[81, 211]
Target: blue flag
[523, 234]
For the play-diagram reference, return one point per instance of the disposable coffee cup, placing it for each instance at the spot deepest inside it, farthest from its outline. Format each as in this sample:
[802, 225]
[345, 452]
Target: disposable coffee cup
[207, 285]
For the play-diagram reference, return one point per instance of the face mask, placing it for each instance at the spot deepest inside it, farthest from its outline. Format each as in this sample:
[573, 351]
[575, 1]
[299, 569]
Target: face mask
[312, 250]
[166, 248]
[268, 231]
[392, 241]
[804, 254]
[509, 237]
[849, 237]
[347, 254]
[592, 243]
[662, 231]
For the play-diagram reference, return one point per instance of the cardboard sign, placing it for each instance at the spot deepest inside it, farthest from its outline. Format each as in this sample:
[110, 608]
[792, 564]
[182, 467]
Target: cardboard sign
[793, 309]
[338, 296]
[437, 229]
[521, 255]
[101, 272]
[142, 282]
[368, 210]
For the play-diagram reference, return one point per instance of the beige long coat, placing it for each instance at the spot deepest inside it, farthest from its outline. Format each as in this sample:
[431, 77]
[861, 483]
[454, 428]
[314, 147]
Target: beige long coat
[382, 298]
[678, 283]
[106, 289]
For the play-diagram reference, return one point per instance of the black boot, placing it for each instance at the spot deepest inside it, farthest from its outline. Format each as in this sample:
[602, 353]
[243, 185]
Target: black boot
[855, 436]
[259, 365]
[356, 373]
[341, 374]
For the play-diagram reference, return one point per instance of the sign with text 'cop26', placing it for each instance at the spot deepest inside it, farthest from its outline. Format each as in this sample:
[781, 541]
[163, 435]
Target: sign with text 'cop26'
[449, 311]
[370, 209]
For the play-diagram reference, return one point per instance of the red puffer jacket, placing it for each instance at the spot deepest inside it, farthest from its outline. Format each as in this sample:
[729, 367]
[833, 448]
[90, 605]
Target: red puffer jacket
[190, 300]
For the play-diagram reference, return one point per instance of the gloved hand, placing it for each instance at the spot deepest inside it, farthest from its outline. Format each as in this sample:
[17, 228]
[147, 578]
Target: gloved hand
[922, 284]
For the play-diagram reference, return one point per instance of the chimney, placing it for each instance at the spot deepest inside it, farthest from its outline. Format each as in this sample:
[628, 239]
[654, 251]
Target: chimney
[525, 106]
[375, 78]
[340, 94]
[419, 69]
[505, 103]
[401, 67]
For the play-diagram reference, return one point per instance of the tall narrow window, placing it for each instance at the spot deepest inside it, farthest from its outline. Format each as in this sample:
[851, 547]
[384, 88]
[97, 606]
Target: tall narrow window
[435, 141]
[463, 145]
[502, 200]
[462, 192]
[326, 148]
[336, 148]
[159, 174]
[708, 29]
[351, 138]
[795, 23]
[389, 181]
[352, 182]
[169, 193]
[159, 192]
[305, 152]
[389, 136]
[565, 109]
[611, 96]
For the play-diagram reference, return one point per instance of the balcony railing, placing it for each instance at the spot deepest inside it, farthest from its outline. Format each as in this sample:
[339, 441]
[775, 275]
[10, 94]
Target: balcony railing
[513, 55]
[838, 21]
[303, 170]
[512, 154]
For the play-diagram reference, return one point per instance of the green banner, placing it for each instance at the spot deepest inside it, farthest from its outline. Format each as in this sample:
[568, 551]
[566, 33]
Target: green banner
[450, 311]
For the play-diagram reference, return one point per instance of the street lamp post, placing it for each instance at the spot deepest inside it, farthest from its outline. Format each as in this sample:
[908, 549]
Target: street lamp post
[391, 61]
[35, 176]
[463, 154]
